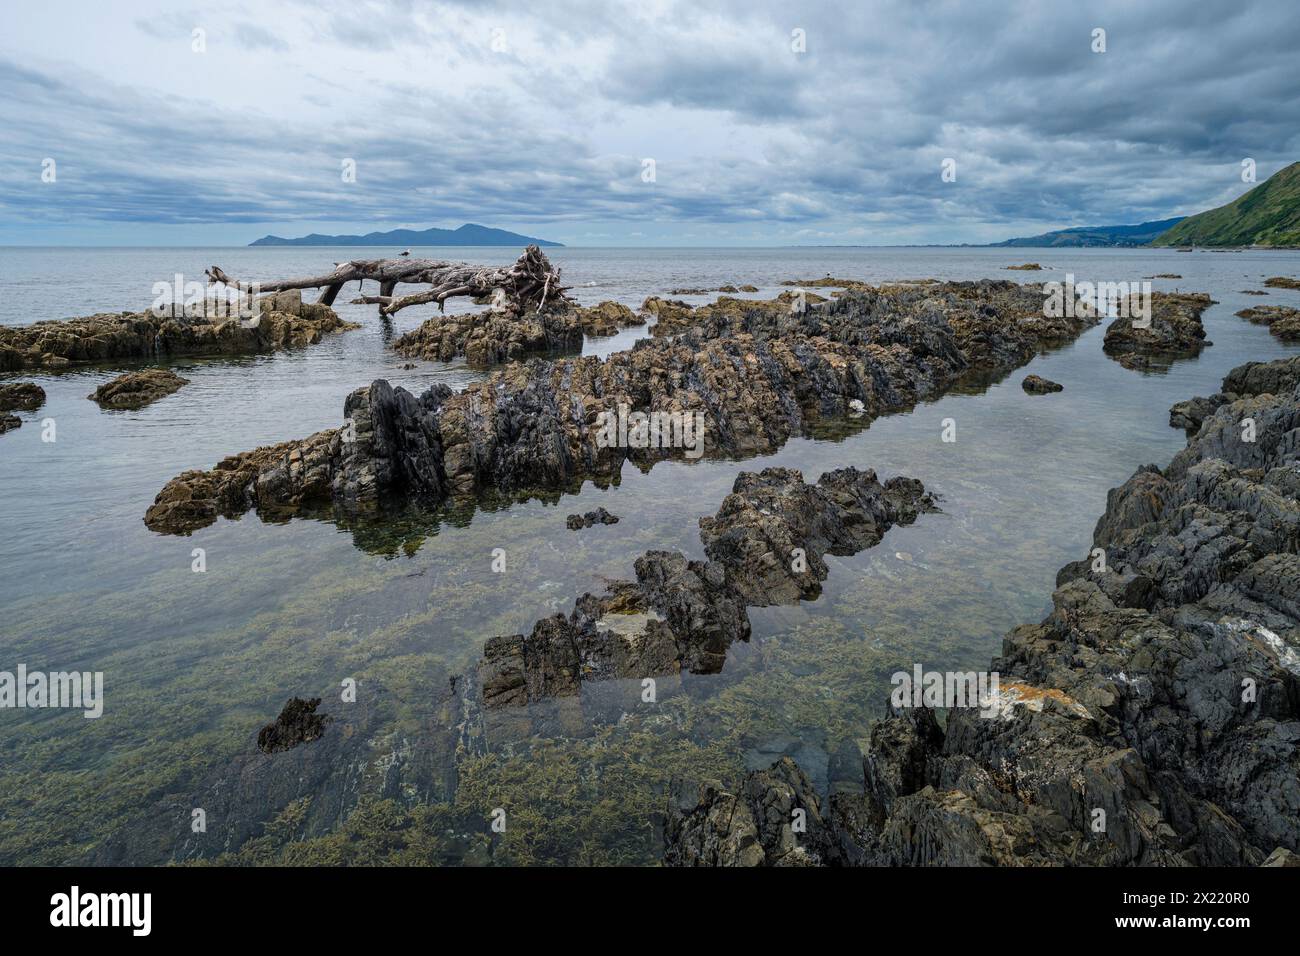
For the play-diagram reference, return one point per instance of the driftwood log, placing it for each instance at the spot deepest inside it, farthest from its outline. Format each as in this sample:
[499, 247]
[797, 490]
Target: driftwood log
[530, 282]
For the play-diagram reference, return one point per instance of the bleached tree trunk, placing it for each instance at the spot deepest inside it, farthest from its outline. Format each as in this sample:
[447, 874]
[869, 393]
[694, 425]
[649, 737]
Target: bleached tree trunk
[530, 282]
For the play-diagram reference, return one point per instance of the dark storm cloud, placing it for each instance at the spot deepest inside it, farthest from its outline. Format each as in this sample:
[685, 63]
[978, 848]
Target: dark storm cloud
[506, 112]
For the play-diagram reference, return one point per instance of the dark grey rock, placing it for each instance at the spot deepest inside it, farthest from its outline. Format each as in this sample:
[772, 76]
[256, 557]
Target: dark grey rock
[599, 516]
[1152, 719]
[1037, 385]
[298, 723]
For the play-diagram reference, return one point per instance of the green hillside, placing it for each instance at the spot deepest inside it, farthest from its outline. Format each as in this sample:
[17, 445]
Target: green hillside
[1268, 215]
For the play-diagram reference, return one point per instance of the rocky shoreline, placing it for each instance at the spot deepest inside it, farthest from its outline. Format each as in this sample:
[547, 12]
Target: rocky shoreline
[1152, 719]
[283, 321]
[751, 374]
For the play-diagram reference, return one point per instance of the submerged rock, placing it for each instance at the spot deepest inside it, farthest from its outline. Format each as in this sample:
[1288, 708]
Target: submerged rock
[599, 516]
[283, 321]
[1282, 321]
[1174, 331]
[1037, 385]
[138, 389]
[828, 282]
[741, 381]
[9, 422]
[298, 723]
[1027, 267]
[766, 545]
[1152, 719]
[21, 396]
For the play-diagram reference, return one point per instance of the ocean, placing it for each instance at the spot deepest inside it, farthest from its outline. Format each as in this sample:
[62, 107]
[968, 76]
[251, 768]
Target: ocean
[195, 663]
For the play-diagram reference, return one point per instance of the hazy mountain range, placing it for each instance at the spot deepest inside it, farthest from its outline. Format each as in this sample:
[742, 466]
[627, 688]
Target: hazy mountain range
[1140, 234]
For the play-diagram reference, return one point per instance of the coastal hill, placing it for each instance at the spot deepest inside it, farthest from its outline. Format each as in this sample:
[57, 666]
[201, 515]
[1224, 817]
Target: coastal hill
[1268, 215]
[469, 234]
[1140, 234]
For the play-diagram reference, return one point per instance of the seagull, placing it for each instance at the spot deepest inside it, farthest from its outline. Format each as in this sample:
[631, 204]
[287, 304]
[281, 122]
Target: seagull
[405, 252]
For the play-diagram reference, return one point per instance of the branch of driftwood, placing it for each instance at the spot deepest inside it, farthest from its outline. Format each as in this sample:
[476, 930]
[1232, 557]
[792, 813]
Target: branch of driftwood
[531, 282]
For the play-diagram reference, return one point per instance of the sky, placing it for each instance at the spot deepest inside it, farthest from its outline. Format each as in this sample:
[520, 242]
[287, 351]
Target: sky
[130, 122]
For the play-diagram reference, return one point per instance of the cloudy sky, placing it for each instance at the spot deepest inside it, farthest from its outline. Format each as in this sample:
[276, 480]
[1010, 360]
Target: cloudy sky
[540, 117]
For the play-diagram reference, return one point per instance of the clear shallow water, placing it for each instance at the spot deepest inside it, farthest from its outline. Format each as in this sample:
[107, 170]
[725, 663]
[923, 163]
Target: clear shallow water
[195, 663]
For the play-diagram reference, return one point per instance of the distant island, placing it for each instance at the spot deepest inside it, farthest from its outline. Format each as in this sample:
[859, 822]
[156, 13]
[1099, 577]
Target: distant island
[469, 234]
[1268, 215]
[1140, 234]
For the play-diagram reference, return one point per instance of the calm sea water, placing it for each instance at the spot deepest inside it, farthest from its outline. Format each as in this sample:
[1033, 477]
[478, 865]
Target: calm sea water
[195, 663]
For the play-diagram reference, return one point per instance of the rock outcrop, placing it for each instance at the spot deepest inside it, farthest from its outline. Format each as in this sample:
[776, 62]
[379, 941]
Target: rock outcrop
[971, 326]
[743, 380]
[1152, 719]
[607, 318]
[298, 723]
[21, 397]
[9, 422]
[756, 826]
[501, 335]
[1174, 331]
[766, 545]
[137, 389]
[1282, 321]
[1282, 282]
[1037, 385]
[1253, 378]
[283, 321]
